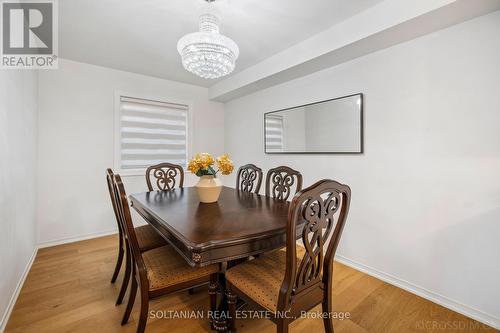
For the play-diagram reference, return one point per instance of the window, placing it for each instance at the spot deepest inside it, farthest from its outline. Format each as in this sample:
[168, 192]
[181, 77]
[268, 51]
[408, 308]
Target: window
[149, 132]
[274, 133]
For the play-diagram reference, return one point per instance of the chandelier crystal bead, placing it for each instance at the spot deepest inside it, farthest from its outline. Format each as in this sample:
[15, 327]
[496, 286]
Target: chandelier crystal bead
[207, 53]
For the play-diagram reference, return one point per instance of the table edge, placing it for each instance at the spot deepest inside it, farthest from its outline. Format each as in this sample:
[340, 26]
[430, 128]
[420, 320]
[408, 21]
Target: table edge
[210, 244]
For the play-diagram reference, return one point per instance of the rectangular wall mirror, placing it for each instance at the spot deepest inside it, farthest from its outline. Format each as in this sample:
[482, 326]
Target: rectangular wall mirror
[333, 126]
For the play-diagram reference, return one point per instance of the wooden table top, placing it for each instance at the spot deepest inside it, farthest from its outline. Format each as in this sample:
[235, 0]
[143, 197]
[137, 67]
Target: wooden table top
[238, 225]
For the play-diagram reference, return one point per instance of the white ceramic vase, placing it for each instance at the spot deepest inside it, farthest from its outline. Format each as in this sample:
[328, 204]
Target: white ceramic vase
[209, 188]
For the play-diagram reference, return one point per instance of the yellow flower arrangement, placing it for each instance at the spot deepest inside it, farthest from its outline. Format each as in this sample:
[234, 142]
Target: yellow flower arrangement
[201, 165]
[225, 164]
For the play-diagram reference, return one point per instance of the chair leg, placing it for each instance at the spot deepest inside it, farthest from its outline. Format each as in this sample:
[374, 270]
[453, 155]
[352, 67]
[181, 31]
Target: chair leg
[327, 309]
[131, 300]
[282, 326]
[231, 302]
[143, 317]
[118, 263]
[126, 279]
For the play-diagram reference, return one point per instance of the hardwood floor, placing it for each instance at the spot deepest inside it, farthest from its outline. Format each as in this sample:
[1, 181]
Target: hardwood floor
[68, 290]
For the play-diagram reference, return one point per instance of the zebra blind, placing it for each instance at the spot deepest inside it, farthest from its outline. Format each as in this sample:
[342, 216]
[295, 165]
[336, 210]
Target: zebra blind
[274, 133]
[151, 132]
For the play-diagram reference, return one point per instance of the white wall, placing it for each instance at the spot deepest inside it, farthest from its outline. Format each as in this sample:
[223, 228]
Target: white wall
[426, 193]
[76, 143]
[18, 132]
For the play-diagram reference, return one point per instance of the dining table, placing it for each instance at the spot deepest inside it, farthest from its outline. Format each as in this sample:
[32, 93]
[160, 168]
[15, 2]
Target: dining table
[236, 227]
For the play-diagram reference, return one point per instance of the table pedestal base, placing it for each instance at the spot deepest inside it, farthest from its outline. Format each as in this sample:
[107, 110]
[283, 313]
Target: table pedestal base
[219, 320]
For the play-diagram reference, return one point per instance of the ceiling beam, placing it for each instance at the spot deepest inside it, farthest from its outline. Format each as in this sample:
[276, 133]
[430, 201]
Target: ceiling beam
[389, 23]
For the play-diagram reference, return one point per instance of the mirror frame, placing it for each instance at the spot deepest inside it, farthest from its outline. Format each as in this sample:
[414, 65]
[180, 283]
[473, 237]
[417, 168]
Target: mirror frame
[361, 124]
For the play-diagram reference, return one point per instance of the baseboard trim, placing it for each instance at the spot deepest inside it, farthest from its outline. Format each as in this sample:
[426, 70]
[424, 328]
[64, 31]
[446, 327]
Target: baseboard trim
[451, 304]
[67, 240]
[15, 295]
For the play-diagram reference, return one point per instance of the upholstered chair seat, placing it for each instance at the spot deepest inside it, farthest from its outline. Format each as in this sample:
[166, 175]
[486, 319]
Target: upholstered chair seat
[261, 278]
[165, 268]
[148, 238]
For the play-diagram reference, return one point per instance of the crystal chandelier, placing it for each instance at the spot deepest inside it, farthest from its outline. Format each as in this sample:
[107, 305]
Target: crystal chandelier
[207, 53]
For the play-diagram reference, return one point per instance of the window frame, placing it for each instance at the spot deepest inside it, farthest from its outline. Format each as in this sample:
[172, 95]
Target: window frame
[117, 132]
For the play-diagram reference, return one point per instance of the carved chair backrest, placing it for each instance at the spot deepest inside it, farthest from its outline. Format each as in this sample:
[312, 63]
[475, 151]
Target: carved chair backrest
[167, 176]
[109, 180]
[280, 182]
[249, 178]
[322, 208]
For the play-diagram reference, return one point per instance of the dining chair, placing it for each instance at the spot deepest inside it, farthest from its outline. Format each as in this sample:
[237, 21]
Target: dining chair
[249, 178]
[294, 279]
[167, 176]
[280, 182]
[148, 239]
[159, 271]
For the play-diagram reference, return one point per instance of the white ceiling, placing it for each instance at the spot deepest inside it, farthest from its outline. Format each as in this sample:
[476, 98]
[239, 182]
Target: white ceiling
[141, 35]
